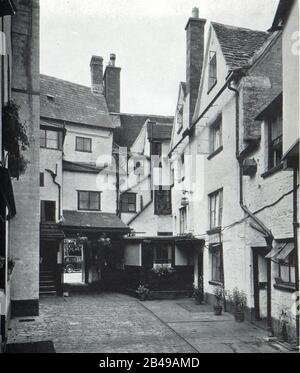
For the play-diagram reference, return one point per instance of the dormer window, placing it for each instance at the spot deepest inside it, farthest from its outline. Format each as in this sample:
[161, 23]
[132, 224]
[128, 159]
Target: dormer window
[212, 78]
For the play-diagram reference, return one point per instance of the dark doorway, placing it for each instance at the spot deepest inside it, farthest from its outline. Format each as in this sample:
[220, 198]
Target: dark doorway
[48, 267]
[260, 281]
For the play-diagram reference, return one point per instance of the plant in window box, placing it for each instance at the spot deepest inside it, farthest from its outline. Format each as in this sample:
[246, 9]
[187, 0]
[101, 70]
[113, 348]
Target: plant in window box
[163, 271]
[219, 293]
[238, 299]
[143, 293]
[15, 139]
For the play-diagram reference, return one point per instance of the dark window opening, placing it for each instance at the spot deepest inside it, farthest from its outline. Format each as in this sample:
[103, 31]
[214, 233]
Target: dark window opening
[48, 211]
[83, 144]
[89, 201]
[216, 263]
[163, 205]
[42, 179]
[286, 269]
[128, 202]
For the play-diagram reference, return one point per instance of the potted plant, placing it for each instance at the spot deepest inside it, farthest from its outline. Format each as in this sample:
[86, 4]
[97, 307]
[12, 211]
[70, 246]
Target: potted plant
[219, 294]
[143, 293]
[238, 299]
[198, 295]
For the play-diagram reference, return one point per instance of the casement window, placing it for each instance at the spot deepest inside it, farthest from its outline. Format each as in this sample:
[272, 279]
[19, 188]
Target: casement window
[128, 202]
[216, 209]
[42, 179]
[48, 211]
[216, 140]
[163, 255]
[181, 168]
[50, 139]
[89, 201]
[286, 269]
[216, 263]
[275, 140]
[183, 220]
[163, 205]
[83, 144]
[212, 78]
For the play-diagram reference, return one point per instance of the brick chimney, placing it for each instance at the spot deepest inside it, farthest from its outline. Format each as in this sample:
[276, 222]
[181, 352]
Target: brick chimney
[97, 74]
[112, 85]
[194, 57]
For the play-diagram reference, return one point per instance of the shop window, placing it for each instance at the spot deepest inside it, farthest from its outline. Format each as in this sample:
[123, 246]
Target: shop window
[83, 144]
[128, 202]
[48, 211]
[89, 201]
[163, 254]
[216, 209]
[163, 204]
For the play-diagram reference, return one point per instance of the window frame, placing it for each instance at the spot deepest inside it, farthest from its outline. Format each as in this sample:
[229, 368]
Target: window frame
[42, 179]
[275, 145]
[218, 209]
[183, 220]
[214, 252]
[212, 70]
[216, 127]
[290, 264]
[89, 139]
[89, 200]
[128, 211]
[45, 139]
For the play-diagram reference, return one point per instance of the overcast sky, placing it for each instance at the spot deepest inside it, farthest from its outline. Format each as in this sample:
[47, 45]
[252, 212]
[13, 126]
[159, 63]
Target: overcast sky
[148, 38]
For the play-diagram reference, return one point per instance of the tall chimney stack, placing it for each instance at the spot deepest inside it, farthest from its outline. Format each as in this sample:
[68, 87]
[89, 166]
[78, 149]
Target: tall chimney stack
[112, 85]
[97, 74]
[194, 59]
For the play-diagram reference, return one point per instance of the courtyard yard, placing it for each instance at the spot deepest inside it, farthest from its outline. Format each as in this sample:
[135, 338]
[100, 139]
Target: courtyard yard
[116, 323]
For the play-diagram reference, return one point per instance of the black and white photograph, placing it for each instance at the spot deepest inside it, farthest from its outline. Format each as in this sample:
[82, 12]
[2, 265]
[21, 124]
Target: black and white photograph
[149, 179]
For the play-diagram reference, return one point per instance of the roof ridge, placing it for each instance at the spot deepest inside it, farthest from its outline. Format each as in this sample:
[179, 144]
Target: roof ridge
[63, 80]
[239, 27]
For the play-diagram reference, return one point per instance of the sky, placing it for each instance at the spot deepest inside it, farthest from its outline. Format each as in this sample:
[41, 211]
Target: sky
[148, 37]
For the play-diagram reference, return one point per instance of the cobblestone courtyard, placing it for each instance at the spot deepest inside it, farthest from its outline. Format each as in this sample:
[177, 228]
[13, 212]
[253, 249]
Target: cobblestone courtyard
[108, 323]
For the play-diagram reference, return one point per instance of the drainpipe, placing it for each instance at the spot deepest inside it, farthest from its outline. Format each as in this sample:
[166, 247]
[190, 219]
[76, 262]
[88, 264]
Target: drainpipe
[296, 226]
[54, 176]
[262, 228]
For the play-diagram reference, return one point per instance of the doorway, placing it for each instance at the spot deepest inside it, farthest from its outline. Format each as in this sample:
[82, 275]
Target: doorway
[74, 263]
[260, 280]
[48, 267]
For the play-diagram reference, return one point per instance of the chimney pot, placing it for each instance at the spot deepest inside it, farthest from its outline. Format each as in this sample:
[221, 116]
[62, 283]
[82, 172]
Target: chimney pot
[195, 12]
[112, 59]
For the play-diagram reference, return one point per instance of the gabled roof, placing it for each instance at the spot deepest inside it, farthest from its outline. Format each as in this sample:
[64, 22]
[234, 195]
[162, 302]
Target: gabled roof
[159, 131]
[131, 126]
[93, 220]
[238, 44]
[70, 102]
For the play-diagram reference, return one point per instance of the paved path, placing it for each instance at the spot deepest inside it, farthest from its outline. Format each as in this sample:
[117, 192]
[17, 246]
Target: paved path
[107, 323]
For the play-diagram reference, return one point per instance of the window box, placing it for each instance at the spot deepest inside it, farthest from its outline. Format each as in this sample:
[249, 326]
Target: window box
[287, 288]
[215, 283]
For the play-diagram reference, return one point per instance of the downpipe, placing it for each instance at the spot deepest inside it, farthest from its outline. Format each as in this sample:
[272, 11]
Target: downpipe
[268, 236]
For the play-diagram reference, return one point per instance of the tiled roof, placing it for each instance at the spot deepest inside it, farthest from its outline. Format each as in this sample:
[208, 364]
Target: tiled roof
[131, 126]
[238, 44]
[93, 220]
[70, 102]
[159, 131]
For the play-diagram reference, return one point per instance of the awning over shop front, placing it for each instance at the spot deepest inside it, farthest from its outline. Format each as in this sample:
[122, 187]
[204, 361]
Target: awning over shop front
[281, 251]
[97, 222]
[182, 242]
[6, 193]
